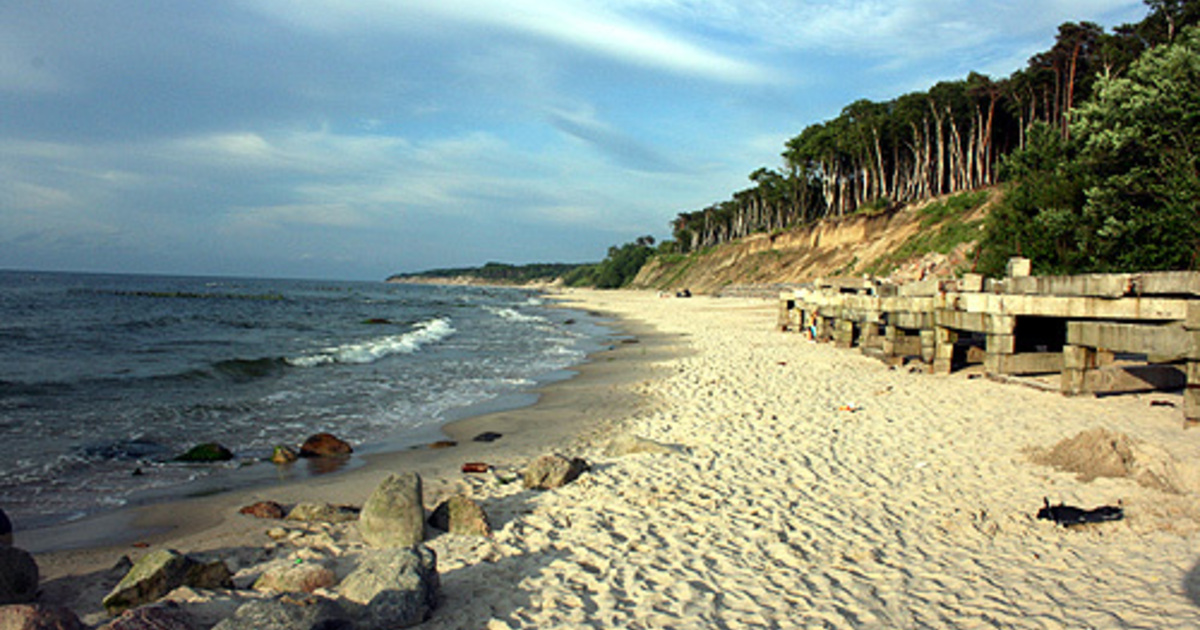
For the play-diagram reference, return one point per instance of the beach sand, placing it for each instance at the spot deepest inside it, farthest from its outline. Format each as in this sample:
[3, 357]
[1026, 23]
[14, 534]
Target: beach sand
[778, 507]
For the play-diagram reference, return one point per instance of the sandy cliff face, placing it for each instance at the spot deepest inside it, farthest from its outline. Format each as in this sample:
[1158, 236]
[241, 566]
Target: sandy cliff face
[848, 246]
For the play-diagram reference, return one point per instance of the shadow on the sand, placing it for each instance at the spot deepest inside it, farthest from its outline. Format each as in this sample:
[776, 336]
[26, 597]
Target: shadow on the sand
[1191, 584]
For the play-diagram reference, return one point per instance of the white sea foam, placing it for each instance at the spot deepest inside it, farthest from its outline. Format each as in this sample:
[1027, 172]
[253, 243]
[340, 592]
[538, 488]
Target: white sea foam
[513, 315]
[373, 350]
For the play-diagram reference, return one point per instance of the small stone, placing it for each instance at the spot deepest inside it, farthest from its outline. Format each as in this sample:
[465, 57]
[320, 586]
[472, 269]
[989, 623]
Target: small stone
[18, 576]
[277, 533]
[160, 616]
[305, 577]
[325, 445]
[460, 515]
[488, 436]
[283, 455]
[323, 512]
[208, 452]
[553, 471]
[38, 617]
[440, 444]
[264, 509]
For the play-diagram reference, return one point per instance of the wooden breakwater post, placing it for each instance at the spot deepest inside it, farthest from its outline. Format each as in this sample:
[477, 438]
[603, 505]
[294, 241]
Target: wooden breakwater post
[1104, 333]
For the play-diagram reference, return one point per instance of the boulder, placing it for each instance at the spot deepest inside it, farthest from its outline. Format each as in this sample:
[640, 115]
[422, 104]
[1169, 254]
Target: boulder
[160, 616]
[324, 445]
[18, 576]
[38, 617]
[264, 509]
[208, 452]
[553, 471]
[6, 530]
[323, 513]
[305, 577]
[158, 573]
[288, 613]
[396, 588]
[460, 515]
[629, 444]
[283, 455]
[394, 514]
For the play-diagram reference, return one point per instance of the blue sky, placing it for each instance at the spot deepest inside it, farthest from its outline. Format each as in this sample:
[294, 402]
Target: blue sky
[357, 138]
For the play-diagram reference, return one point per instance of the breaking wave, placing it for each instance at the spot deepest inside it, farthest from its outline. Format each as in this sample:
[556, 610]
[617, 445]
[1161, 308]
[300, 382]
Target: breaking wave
[423, 334]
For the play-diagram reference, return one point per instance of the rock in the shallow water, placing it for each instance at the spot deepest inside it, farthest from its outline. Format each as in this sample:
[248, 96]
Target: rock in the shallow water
[283, 455]
[325, 445]
[322, 513]
[208, 452]
[18, 576]
[38, 617]
[397, 587]
[394, 514]
[158, 573]
[460, 515]
[288, 613]
[305, 577]
[160, 616]
[6, 530]
[264, 509]
[629, 444]
[553, 471]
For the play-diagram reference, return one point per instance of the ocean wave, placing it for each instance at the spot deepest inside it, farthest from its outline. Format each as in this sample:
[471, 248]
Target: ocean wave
[513, 315]
[373, 350]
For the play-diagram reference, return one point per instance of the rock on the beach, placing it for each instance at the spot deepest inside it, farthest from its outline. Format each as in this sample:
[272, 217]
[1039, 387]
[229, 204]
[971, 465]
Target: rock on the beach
[6, 530]
[305, 577]
[38, 617]
[322, 513]
[288, 613]
[629, 444]
[264, 509]
[324, 445]
[283, 455]
[18, 576]
[487, 436]
[553, 471]
[398, 587]
[160, 572]
[208, 452]
[160, 616]
[460, 515]
[394, 514]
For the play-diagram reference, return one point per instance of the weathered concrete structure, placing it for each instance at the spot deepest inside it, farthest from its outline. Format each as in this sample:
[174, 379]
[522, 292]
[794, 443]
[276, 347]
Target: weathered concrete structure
[1106, 333]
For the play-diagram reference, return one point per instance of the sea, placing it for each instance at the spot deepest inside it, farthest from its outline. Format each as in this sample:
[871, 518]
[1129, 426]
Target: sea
[106, 379]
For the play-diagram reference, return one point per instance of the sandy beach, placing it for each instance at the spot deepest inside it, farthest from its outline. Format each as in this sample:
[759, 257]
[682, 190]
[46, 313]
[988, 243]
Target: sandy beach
[806, 487]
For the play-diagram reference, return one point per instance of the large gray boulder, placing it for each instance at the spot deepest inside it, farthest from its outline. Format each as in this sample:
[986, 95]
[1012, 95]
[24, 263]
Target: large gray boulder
[289, 613]
[38, 617]
[18, 576]
[160, 572]
[396, 588]
[553, 471]
[394, 514]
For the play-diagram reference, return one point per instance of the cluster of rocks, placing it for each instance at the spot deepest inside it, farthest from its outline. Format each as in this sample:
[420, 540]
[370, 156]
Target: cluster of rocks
[319, 445]
[392, 582]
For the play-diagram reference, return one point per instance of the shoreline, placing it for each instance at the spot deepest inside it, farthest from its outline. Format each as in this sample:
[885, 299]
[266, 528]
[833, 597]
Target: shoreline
[561, 412]
[796, 485]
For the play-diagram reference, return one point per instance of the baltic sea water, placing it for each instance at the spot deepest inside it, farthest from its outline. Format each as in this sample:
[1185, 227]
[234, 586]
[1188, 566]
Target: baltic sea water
[105, 379]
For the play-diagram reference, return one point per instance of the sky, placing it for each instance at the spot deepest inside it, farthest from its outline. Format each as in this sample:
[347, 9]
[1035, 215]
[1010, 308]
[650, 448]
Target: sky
[353, 139]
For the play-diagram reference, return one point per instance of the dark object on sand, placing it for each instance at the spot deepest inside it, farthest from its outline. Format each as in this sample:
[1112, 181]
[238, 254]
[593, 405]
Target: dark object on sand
[6, 530]
[488, 436]
[475, 467]
[1067, 515]
[443, 444]
[1161, 403]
